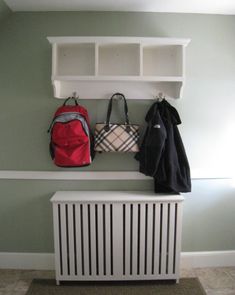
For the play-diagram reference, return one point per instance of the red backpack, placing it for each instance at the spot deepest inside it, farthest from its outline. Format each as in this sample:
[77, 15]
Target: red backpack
[72, 143]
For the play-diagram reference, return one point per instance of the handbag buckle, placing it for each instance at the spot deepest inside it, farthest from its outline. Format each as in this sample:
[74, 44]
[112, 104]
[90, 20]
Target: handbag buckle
[106, 128]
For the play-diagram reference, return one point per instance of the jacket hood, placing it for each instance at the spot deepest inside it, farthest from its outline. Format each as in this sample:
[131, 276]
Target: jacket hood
[166, 110]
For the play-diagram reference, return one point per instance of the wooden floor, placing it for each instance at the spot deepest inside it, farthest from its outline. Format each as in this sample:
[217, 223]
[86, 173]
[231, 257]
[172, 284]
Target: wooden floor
[216, 281]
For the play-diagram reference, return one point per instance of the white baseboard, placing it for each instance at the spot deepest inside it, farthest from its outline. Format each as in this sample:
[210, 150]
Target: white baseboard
[207, 259]
[37, 261]
[45, 261]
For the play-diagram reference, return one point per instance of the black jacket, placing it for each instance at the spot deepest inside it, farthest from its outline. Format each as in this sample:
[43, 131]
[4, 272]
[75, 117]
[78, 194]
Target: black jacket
[162, 154]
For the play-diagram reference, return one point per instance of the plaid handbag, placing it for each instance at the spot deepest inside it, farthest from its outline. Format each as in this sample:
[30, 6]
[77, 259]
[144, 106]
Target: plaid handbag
[113, 137]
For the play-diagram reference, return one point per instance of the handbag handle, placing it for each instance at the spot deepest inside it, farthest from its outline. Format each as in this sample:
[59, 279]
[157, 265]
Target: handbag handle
[110, 109]
[74, 98]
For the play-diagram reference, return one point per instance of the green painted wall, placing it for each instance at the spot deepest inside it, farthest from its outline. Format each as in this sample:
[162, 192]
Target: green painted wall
[5, 11]
[27, 106]
[206, 107]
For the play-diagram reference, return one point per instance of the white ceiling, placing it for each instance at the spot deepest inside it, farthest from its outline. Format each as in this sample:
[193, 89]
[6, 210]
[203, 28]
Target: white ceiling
[186, 6]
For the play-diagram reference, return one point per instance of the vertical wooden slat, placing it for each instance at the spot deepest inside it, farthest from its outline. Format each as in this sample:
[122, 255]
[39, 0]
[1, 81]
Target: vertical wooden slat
[93, 239]
[157, 238]
[149, 239]
[56, 238]
[141, 59]
[107, 236]
[178, 237]
[182, 65]
[134, 239]
[164, 237]
[117, 240]
[71, 239]
[171, 238]
[142, 238]
[78, 239]
[85, 239]
[100, 238]
[64, 239]
[96, 58]
[104, 240]
[127, 240]
[54, 59]
[111, 240]
[124, 238]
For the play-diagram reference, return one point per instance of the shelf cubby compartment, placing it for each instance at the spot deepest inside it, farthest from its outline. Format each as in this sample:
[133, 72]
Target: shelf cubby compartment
[76, 59]
[162, 60]
[119, 60]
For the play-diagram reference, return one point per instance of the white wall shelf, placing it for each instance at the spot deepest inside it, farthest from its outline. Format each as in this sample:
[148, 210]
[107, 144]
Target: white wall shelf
[96, 67]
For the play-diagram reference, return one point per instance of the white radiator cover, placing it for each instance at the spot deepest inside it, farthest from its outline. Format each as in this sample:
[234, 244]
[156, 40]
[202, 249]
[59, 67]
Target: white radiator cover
[116, 235]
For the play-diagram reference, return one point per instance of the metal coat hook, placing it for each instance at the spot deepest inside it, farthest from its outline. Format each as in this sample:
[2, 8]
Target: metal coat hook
[74, 95]
[160, 96]
[118, 96]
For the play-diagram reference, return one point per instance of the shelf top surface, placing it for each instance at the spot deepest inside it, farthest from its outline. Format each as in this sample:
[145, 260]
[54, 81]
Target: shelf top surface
[119, 40]
[114, 196]
[119, 78]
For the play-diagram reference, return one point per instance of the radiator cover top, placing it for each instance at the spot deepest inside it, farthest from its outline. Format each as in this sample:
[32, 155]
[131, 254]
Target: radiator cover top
[107, 235]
